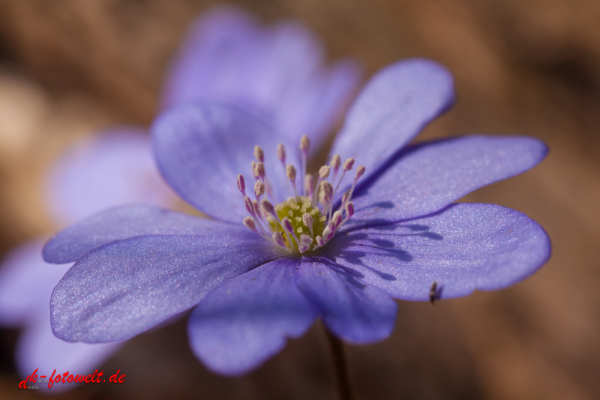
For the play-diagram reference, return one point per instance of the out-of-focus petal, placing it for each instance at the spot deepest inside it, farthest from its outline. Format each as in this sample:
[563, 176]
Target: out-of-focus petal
[38, 348]
[112, 168]
[463, 247]
[276, 74]
[392, 109]
[126, 287]
[428, 177]
[120, 223]
[353, 311]
[26, 283]
[201, 148]
[247, 320]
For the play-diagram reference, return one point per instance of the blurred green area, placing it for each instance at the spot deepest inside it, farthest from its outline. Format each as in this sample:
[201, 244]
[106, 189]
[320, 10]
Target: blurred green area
[69, 67]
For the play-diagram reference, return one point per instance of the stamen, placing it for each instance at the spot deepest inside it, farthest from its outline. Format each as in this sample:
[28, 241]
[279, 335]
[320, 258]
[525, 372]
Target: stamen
[304, 243]
[279, 240]
[259, 189]
[360, 171]
[308, 221]
[241, 184]
[259, 170]
[281, 154]
[249, 206]
[336, 219]
[320, 241]
[348, 164]
[290, 171]
[250, 224]
[253, 169]
[349, 210]
[289, 229]
[324, 171]
[335, 163]
[308, 185]
[259, 154]
[304, 146]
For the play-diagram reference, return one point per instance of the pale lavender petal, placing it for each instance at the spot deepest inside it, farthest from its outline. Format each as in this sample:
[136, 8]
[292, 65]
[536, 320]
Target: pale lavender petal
[38, 348]
[112, 168]
[213, 61]
[463, 248]
[351, 310]
[119, 223]
[314, 110]
[126, 287]
[428, 177]
[201, 148]
[277, 74]
[247, 320]
[392, 109]
[26, 283]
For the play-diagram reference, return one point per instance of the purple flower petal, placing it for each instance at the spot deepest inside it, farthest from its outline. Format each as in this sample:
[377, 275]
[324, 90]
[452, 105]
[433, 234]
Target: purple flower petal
[126, 287]
[428, 177]
[276, 74]
[112, 168]
[120, 223]
[242, 323]
[201, 148]
[38, 348]
[353, 311]
[392, 109]
[26, 283]
[463, 247]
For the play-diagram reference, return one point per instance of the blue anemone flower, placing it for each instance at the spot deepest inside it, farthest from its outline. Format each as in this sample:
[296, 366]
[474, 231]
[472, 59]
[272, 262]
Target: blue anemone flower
[277, 74]
[284, 248]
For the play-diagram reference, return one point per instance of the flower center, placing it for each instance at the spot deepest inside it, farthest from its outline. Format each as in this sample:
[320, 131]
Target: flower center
[305, 221]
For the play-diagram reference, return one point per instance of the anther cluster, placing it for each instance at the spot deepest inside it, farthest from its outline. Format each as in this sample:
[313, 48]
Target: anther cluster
[306, 220]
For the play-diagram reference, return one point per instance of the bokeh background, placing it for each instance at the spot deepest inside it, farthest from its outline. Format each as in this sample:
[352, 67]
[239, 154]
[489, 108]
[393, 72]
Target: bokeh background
[70, 67]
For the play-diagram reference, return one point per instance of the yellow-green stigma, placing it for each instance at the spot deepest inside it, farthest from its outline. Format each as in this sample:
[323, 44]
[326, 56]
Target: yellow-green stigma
[305, 219]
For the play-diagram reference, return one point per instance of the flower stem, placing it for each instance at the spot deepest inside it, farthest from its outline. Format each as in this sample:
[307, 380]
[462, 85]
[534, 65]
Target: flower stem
[340, 366]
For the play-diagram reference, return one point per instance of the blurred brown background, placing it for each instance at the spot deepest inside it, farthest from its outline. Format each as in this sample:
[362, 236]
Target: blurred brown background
[68, 67]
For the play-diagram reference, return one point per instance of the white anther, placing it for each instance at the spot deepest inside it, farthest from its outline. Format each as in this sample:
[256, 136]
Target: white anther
[304, 244]
[250, 224]
[304, 144]
[241, 184]
[320, 241]
[324, 171]
[290, 171]
[326, 188]
[326, 232]
[279, 239]
[259, 170]
[256, 207]
[336, 219]
[309, 184]
[259, 188]
[308, 221]
[259, 154]
[267, 207]
[348, 164]
[349, 209]
[299, 230]
[287, 225]
[360, 171]
[335, 163]
[281, 153]
[249, 206]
